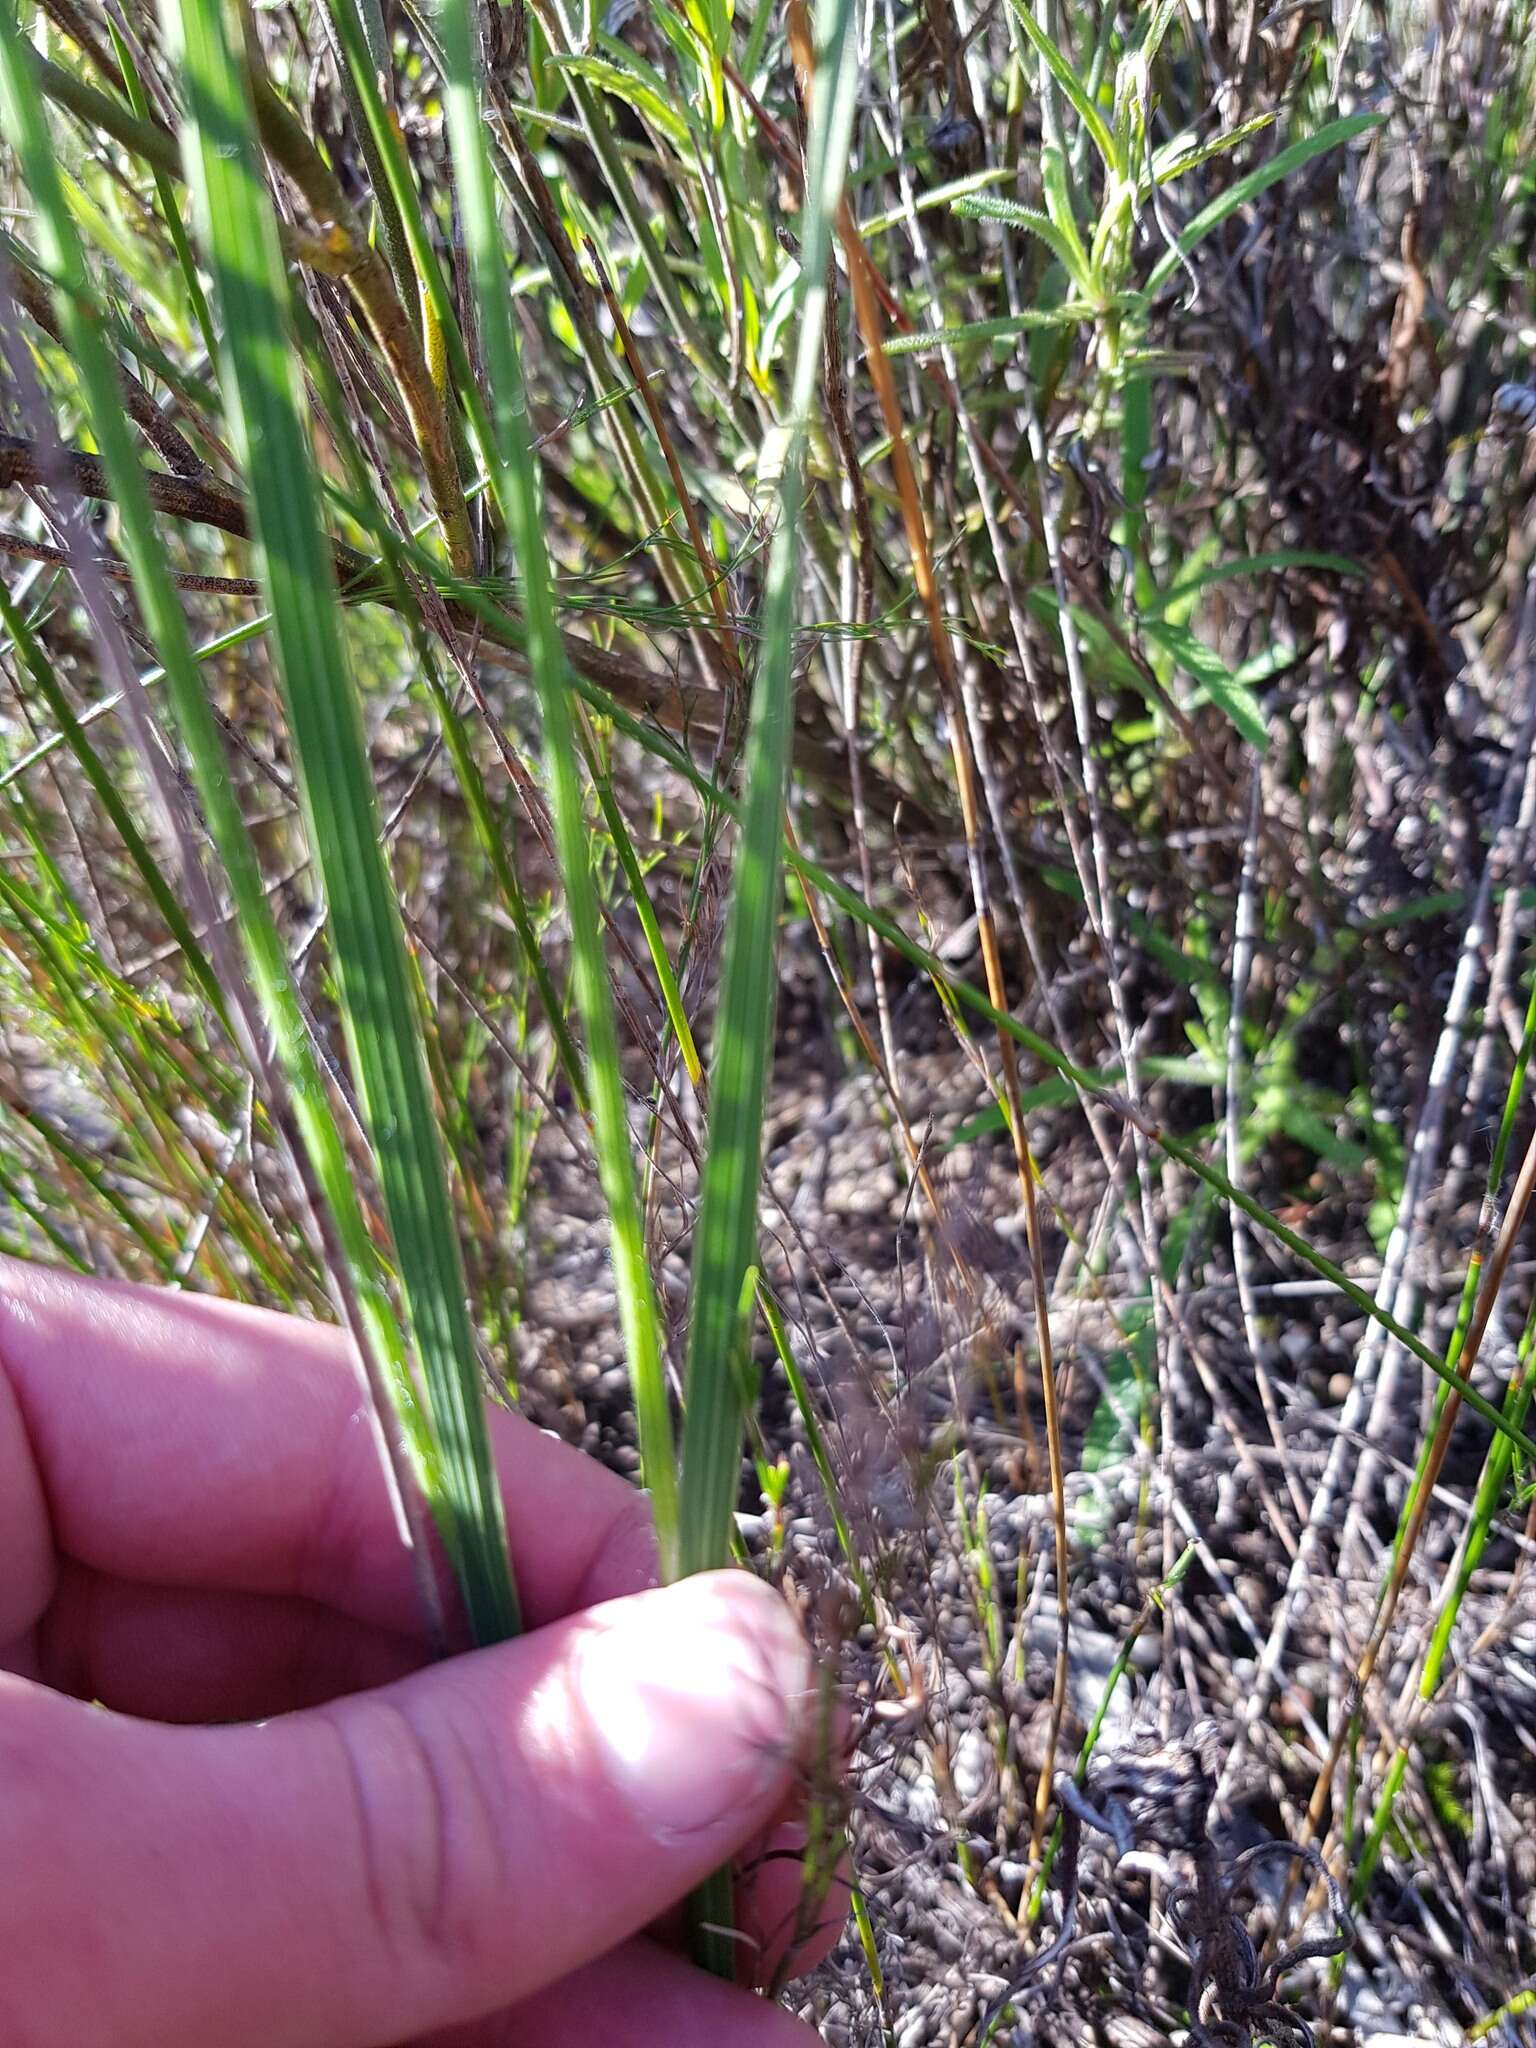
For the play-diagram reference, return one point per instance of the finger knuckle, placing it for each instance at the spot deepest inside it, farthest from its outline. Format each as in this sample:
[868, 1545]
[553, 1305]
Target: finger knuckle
[430, 1819]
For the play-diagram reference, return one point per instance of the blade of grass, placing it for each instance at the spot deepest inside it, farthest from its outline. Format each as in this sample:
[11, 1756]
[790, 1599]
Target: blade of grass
[165, 191]
[725, 1233]
[364, 1297]
[394, 583]
[266, 407]
[639, 896]
[516, 485]
[40, 669]
[1066, 315]
[1072, 257]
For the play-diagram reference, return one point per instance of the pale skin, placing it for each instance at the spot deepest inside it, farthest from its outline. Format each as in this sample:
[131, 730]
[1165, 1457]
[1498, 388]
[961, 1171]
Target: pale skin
[241, 1807]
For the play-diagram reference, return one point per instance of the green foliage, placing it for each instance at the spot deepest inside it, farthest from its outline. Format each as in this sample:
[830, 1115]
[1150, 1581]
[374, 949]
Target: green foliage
[520, 597]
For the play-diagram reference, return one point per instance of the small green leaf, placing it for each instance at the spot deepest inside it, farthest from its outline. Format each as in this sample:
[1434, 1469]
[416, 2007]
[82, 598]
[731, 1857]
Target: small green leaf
[1067, 249]
[1214, 677]
[1238, 195]
[1182, 155]
[1091, 117]
[624, 85]
[1064, 315]
[1254, 565]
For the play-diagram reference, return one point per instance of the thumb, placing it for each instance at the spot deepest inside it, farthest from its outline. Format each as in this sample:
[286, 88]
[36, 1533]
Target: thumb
[399, 1860]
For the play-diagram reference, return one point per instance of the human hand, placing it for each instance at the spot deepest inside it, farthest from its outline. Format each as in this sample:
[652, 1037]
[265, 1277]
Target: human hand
[370, 1849]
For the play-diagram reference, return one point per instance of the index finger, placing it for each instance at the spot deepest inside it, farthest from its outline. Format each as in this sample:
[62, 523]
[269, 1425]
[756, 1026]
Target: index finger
[179, 1440]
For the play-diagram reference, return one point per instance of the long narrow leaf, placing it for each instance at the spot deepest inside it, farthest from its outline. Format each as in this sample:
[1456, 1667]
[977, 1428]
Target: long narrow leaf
[381, 1347]
[1214, 677]
[1279, 166]
[726, 1232]
[1067, 250]
[515, 482]
[264, 401]
[1088, 113]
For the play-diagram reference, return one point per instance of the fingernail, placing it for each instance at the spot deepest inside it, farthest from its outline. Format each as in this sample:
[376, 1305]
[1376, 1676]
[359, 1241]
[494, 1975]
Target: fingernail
[696, 1698]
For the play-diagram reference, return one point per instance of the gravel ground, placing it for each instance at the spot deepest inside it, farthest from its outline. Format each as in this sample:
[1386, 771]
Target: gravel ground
[910, 1327]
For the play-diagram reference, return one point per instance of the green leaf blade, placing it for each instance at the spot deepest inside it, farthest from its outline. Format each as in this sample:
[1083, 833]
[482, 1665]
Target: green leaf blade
[1279, 166]
[266, 411]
